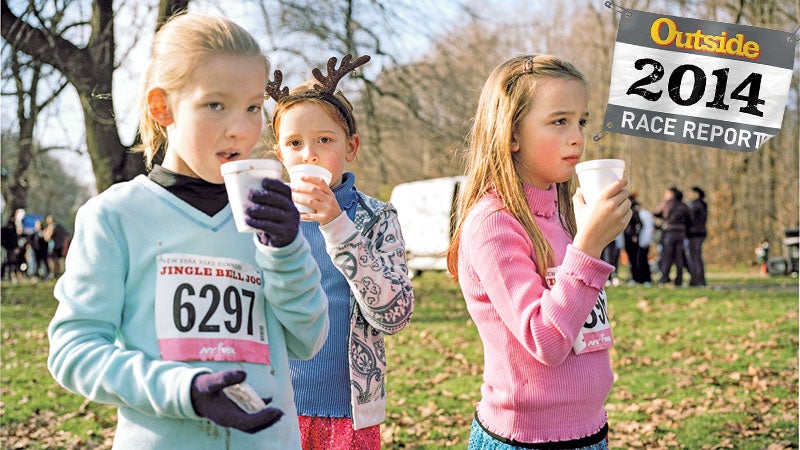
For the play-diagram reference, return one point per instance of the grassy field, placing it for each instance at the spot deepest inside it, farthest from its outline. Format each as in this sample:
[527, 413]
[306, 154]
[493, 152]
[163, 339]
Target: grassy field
[700, 368]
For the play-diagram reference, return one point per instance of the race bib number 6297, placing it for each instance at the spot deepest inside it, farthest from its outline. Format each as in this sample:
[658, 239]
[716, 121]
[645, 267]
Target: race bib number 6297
[210, 309]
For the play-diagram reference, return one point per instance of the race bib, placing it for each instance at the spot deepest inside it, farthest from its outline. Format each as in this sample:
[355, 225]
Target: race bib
[210, 309]
[596, 332]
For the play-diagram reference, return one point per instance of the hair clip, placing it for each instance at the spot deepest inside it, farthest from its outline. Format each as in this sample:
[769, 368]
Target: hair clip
[329, 82]
[528, 66]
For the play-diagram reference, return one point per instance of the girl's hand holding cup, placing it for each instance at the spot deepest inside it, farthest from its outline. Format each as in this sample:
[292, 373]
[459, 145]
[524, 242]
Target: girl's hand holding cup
[604, 215]
[312, 195]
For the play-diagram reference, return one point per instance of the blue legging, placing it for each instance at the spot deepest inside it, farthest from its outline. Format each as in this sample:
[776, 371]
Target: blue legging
[479, 439]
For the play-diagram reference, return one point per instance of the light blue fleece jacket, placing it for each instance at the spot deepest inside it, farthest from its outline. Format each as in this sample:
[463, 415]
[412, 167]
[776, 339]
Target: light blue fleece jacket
[103, 341]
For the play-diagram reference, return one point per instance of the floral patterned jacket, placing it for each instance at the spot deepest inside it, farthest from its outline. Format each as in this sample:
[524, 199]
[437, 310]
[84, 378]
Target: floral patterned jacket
[373, 260]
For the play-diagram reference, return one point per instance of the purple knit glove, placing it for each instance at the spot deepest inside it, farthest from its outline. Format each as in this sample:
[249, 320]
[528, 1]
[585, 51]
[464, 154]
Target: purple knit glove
[273, 213]
[210, 402]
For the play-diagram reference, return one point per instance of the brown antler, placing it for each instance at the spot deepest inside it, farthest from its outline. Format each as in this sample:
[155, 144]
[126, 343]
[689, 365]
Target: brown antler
[274, 87]
[334, 75]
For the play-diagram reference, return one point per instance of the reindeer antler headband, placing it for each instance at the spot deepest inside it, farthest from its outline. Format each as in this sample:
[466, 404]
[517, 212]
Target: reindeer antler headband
[325, 91]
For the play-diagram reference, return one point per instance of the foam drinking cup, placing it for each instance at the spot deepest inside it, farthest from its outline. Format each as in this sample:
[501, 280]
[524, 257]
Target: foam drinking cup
[596, 175]
[300, 170]
[241, 177]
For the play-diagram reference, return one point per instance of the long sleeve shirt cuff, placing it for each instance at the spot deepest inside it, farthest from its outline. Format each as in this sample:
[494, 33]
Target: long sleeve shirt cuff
[338, 231]
[594, 272]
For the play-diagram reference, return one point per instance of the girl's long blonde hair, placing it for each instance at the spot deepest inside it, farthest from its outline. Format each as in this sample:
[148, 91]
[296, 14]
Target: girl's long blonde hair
[507, 97]
[177, 47]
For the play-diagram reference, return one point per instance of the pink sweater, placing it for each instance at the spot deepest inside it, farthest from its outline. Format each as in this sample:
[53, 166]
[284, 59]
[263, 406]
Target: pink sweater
[535, 388]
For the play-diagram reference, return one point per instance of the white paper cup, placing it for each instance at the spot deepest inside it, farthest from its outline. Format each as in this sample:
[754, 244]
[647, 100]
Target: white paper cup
[300, 170]
[242, 176]
[596, 175]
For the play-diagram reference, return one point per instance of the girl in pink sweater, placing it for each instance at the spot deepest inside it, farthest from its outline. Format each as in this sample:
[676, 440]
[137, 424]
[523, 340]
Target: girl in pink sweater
[527, 256]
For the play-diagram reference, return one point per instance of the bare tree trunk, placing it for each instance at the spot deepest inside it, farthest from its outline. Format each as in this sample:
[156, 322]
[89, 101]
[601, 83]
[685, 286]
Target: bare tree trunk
[18, 188]
[27, 76]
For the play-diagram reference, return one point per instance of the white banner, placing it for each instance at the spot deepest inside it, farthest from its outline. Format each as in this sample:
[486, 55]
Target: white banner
[698, 82]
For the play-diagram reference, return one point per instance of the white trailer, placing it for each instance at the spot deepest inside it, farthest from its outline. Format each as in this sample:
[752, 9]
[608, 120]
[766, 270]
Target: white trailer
[427, 212]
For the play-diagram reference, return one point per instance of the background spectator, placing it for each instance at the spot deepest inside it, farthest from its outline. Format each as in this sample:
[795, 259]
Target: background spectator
[675, 222]
[638, 237]
[58, 238]
[698, 213]
[611, 255]
[11, 251]
[40, 247]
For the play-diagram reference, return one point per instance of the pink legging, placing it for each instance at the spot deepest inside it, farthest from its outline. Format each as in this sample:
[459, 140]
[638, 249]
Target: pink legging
[337, 433]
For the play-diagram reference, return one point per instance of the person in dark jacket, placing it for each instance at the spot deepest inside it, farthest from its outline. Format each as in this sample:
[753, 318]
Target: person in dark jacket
[12, 251]
[698, 213]
[638, 237]
[59, 236]
[40, 245]
[674, 215]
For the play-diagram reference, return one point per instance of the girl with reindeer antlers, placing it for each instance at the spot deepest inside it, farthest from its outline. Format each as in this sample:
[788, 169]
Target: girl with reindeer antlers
[340, 394]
